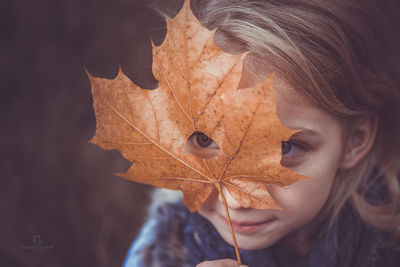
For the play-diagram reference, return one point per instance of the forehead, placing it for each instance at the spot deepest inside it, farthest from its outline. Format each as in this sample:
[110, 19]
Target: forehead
[297, 112]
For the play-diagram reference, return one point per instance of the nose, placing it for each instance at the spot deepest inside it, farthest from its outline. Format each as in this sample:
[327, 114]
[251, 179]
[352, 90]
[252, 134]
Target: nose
[232, 203]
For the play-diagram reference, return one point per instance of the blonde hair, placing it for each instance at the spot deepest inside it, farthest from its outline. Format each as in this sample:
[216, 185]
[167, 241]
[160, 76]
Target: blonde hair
[332, 53]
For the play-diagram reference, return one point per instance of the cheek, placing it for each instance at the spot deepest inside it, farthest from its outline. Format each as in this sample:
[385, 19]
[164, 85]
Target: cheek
[209, 207]
[302, 201]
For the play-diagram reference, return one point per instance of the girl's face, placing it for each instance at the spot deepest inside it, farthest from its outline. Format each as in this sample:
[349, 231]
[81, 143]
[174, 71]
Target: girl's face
[315, 151]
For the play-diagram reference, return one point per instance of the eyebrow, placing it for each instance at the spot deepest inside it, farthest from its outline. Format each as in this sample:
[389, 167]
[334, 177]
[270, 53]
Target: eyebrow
[306, 132]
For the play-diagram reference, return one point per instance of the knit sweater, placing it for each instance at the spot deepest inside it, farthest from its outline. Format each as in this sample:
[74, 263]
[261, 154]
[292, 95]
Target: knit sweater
[172, 236]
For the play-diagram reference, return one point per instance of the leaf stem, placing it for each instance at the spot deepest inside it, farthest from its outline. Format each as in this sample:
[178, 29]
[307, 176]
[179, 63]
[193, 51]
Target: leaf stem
[228, 217]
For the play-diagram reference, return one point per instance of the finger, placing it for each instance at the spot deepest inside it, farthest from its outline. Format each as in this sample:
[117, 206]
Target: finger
[219, 263]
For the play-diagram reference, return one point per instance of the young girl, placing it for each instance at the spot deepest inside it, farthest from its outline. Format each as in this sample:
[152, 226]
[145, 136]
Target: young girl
[334, 83]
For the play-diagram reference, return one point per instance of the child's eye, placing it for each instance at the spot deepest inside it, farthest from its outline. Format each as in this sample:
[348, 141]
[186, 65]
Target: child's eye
[202, 146]
[292, 152]
[290, 147]
[203, 140]
[286, 147]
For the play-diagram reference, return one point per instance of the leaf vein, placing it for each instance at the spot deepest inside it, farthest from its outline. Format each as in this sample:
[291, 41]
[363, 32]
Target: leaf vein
[148, 138]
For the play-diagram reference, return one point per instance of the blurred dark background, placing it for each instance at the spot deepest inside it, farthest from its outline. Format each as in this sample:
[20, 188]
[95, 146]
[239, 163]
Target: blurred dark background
[60, 202]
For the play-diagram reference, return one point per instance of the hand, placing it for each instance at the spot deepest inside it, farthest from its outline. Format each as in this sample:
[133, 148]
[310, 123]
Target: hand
[220, 263]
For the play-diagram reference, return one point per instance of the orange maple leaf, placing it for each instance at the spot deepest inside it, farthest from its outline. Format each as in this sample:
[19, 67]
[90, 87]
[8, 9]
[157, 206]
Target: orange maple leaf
[197, 93]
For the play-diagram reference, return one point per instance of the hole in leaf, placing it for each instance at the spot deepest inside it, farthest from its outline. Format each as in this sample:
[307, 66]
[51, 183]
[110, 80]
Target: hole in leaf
[202, 146]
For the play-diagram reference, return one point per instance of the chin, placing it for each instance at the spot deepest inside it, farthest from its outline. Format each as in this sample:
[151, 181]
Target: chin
[252, 245]
[248, 242]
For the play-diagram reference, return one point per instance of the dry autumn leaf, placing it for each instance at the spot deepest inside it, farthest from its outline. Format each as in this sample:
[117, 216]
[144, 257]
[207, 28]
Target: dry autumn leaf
[197, 93]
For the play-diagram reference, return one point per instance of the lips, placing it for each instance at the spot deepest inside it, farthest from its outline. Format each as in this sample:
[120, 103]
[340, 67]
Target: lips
[248, 227]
